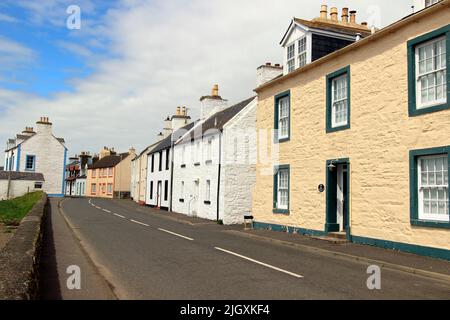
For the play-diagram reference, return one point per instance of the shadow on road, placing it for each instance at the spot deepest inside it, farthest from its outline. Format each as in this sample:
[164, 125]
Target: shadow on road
[49, 283]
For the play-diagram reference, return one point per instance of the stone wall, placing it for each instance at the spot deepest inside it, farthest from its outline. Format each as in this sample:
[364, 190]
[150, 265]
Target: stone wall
[19, 260]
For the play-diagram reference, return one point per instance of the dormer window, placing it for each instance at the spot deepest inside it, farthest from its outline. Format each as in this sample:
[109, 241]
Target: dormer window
[430, 2]
[291, 57]
[302, 54]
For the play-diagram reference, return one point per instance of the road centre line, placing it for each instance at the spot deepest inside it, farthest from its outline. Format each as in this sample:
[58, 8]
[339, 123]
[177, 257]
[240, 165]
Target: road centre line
[118, 215]
[175, 234]
[106, 210]
[143, 224]
[260, 263]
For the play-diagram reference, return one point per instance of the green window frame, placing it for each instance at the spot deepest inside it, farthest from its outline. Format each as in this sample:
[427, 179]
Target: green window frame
[329, 93]
[412, 77]
[278, 97]
[414, 155]
[275, 188]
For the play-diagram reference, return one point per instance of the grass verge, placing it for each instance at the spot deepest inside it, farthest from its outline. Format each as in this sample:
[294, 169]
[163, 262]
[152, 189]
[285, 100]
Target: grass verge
[12, 211]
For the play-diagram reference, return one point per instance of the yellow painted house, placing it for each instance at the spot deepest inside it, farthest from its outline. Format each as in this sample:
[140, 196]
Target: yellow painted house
[359, 140]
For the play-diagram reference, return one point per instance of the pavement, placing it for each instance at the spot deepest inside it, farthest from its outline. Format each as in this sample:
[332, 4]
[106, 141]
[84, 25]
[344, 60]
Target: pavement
[61, 249]
[141, 253]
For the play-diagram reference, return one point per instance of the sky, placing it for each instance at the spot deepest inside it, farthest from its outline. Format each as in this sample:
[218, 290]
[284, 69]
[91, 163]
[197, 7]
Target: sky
[114, 80]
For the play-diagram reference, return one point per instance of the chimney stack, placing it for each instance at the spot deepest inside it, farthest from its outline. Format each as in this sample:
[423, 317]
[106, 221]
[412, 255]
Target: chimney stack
[334, 14]
[353, 16]
[345, 15]
[212, 104]
[267, 72]
[44, 126]
[324, 12]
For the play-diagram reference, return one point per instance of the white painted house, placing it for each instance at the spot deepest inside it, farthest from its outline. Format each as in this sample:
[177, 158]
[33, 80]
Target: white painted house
[214, 168]
[39, 152]
[159, 161]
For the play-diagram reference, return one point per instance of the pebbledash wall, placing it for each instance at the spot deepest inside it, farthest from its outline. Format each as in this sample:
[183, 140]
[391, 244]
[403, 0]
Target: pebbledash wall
[378, 142]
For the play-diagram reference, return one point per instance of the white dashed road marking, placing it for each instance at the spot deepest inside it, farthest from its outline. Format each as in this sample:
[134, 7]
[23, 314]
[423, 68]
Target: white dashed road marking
[142, 224]
[118, 215]
[260, 263]
[106, 210]
[175, 234]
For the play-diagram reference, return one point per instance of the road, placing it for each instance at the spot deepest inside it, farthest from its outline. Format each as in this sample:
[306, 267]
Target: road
[148, 256]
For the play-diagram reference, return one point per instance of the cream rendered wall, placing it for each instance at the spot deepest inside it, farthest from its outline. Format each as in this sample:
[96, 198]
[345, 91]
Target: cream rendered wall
[122, 174]
[142, 191]
[378, 143]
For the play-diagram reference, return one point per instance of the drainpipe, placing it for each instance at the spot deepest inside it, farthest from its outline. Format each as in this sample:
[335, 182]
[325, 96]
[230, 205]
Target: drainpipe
[218, 174]
[9, 177]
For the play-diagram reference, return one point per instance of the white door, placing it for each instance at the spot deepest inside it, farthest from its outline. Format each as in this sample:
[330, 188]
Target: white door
[195, 198]
[158, 195]
[340, 198]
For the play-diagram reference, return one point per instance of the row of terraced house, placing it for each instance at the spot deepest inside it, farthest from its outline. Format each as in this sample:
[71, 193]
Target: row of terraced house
[349, 137]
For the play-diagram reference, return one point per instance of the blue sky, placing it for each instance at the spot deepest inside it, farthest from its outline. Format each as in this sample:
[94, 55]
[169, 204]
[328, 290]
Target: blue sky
[114, 81]
[52, 64]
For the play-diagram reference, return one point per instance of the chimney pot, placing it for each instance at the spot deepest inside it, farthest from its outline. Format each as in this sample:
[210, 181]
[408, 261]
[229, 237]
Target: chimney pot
[184, 111]
[178, 111]
[353, 16]
[334, 14]
[364, 23]
[215, 91]
[345, 15]
[324, 12]
[268, 64]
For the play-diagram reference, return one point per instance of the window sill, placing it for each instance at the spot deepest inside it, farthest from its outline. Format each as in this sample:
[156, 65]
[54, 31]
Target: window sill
[414, 111]
[181, 200]
[281, 140]
[196, 164]
[281, 211]
[207, 202]
[430, 224]
[340, 128]
[183, 166]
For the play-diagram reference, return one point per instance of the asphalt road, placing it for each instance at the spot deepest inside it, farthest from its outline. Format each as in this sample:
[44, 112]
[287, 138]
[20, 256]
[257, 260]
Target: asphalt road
[146, 256]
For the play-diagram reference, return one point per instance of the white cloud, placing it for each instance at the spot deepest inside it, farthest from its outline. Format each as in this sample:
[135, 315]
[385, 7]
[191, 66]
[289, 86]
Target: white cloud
[165, 53]
[6, 18]
[13, 54]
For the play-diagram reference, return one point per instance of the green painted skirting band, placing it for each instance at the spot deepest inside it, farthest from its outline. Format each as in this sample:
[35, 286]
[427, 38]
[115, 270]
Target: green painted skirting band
[288, 229]
[404, 247]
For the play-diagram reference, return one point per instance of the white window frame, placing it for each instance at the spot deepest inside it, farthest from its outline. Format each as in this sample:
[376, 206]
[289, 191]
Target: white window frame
[281, 189]
[290, 57]
[183, 155]
[419, 104]
[429, 3]
[335, 124]
[286, 116]
[420, 195]
[302, 51]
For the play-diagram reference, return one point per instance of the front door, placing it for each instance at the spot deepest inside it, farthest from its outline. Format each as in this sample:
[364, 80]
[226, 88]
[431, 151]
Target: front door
[195, 198]
[337, 196]
[158, 194]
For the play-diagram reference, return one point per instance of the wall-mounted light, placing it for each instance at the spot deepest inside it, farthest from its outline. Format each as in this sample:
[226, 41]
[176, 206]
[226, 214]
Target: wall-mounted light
[331, 166]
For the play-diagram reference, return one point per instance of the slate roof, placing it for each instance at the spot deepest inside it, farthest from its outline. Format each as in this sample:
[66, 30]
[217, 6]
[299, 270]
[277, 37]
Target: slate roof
[351, 30]
[217, 121]
[109, 161]
[167, 142]
[23, 176]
